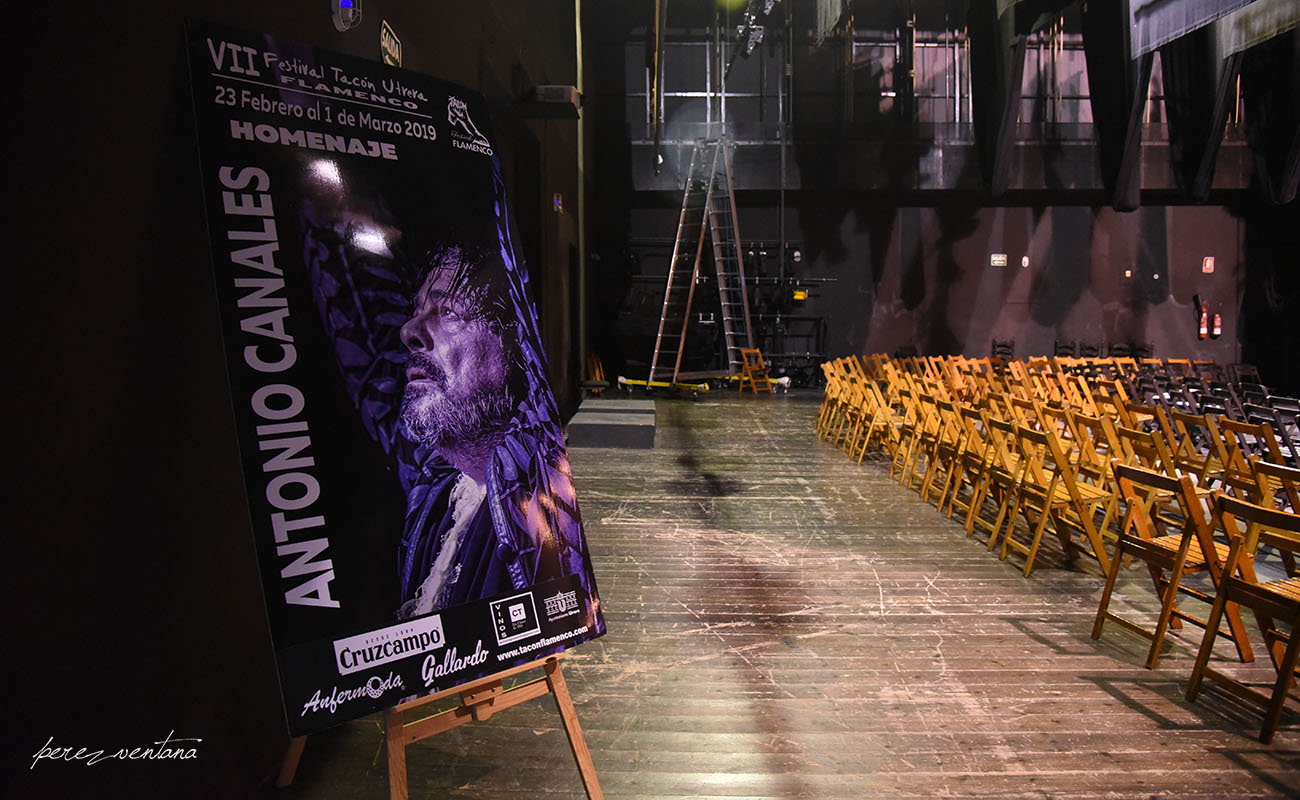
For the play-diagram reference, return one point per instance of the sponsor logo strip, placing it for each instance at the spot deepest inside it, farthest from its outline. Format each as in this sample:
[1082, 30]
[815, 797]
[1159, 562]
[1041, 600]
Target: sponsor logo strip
[393, 643]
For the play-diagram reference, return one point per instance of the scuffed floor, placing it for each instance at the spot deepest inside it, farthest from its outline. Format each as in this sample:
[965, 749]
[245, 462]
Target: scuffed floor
[784, 623]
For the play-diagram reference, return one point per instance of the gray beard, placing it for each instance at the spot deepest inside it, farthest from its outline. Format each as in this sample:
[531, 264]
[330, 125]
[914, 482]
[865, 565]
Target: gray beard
[474, 424]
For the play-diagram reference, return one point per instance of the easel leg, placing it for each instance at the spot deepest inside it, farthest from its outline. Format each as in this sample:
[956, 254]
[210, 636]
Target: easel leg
[480, 700]
[396, 742]
[555, 679]
[291, 758]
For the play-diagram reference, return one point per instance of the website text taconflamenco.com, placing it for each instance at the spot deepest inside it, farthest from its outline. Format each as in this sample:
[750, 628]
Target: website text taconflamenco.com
[531, 646]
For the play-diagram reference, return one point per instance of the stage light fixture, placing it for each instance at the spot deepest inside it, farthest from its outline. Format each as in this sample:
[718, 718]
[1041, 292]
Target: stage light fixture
[346, 14]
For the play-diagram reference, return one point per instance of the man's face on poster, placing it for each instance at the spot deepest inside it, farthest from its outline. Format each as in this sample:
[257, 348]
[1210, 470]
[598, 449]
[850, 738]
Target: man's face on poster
[457, 377]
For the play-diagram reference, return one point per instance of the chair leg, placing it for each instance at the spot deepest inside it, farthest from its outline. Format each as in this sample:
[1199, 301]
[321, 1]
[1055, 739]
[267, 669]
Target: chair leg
[1166, 611]
[978, 491]
[1238, 630]
[1011, 525]
[1285, 675]
[1111, 577]
[1033, 547]
[1002, 515]
[1207, 641]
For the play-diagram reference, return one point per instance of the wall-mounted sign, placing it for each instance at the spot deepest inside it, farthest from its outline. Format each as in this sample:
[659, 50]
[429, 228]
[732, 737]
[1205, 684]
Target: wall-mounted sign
[389, 45]
[998, 260]
[1207, 264]
[411, 502]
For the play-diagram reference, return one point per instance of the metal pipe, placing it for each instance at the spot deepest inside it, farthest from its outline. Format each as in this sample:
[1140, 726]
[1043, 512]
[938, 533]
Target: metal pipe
[582, 200]
[956, 66]
[783, 133]
[661, 18]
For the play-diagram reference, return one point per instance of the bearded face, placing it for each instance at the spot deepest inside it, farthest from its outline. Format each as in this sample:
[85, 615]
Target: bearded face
[457, 376]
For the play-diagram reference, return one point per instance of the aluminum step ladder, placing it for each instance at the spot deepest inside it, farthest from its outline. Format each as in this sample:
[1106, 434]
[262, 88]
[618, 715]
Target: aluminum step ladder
[708, 195]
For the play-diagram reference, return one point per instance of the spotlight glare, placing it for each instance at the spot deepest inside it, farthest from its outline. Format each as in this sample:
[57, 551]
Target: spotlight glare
[327, 171]
[370, 240]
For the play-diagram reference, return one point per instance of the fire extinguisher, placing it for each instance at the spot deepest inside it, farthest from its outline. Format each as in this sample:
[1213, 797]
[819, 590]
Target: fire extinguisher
[1204, 329]
[1217, 330]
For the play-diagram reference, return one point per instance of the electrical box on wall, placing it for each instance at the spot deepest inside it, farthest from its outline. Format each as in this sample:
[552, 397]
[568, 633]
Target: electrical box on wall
[556, 93]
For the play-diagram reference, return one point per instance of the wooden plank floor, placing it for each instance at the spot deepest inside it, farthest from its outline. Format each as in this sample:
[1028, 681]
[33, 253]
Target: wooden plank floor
[784, 623]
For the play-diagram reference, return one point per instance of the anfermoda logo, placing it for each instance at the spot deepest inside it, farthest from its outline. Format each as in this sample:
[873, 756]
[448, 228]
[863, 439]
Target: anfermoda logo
[515, 618]
[394, 643]
[465, 135]
[374, 687]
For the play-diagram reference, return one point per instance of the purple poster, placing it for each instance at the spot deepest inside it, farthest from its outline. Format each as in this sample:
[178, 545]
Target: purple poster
[409, 492]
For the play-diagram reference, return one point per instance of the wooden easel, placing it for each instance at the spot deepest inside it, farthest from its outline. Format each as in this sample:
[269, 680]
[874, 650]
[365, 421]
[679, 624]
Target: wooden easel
[479, 699]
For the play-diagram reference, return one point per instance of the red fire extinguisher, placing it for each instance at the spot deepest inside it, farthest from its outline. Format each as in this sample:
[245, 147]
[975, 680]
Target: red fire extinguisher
[1204, 329]
[1217, 330]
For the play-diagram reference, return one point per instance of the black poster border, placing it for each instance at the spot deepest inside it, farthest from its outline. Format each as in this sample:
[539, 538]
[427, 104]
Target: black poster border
[327, 510]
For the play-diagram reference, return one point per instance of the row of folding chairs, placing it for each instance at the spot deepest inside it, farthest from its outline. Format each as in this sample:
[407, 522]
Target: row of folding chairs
[1197, 387]
[1076, 458]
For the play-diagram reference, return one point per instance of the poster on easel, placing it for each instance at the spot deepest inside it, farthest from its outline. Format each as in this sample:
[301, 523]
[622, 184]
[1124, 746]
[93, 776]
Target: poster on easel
[410, 495]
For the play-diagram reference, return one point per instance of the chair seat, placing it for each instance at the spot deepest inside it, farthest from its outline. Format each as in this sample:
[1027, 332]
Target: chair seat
[1195, 558]
[1092, 494]
[1289, 587]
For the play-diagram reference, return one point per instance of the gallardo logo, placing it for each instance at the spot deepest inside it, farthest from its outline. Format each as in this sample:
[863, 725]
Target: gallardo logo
[394, 643]
[464, 133]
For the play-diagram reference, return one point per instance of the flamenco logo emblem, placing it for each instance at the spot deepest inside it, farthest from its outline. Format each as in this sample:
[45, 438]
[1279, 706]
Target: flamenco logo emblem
[464, 133]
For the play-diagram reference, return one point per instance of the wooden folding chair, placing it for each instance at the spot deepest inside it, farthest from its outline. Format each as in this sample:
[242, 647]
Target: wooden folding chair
[1146, 449]
[1154, 506]
[969, 466]
[1026, 411]
[1278, 486]
[595, 384]
[830, 396]
[1288, 443]
[753, 371]
[923, 442]
[871, 417]
[833, 398]
[857, 417]
[1036, 497]
[1243, 443]
[1197, 447]
[1097, 444]
[945, 449]
[1050, 488]
[1146, 417]
[889, 422]
[997, 480]
[845, 409]
[1109, 405]
[1058, 420]
[1275, 603]
[909, 431]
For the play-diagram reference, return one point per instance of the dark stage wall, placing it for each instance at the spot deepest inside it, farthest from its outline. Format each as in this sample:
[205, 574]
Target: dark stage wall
[936, 290]
[130, 587]
[920, 277]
